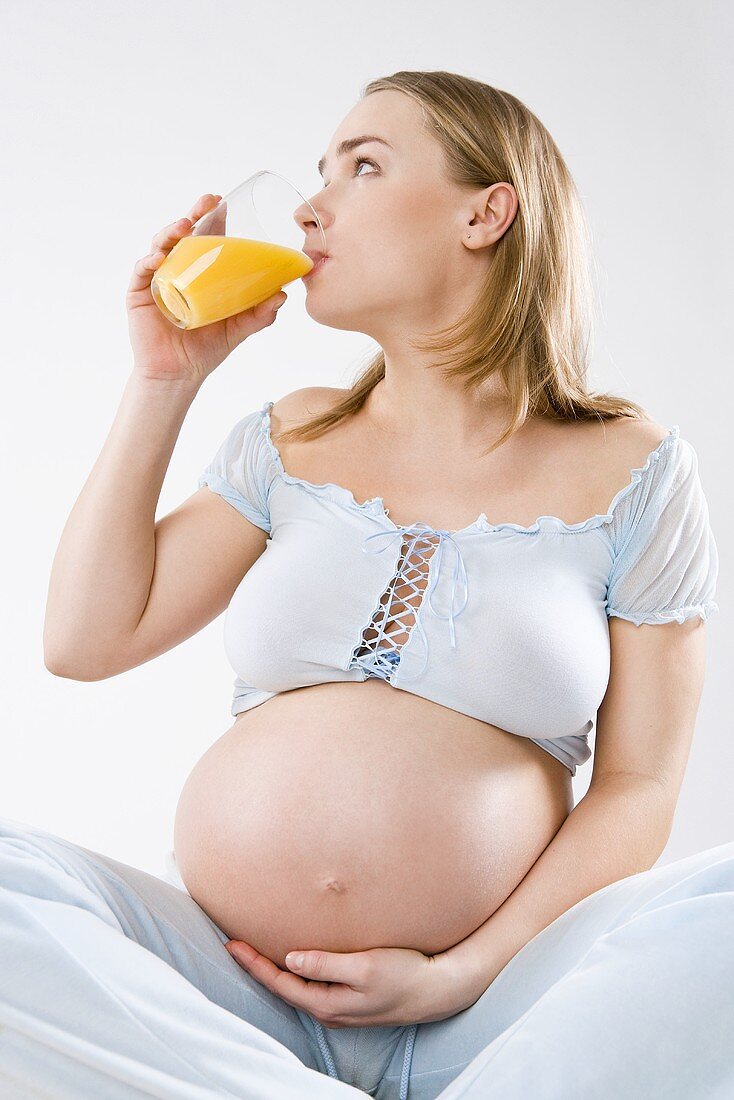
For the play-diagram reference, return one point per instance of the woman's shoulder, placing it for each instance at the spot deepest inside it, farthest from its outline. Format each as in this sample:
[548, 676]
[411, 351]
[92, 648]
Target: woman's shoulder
[596, 458]
[646, 443]
[626, 443]
[637, 433]
[302, 404]
[624, 436]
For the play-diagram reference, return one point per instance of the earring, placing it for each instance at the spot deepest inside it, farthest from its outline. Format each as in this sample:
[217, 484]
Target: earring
[468, 234]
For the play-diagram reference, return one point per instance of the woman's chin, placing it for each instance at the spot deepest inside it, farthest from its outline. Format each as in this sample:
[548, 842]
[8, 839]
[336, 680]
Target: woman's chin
[331, 314]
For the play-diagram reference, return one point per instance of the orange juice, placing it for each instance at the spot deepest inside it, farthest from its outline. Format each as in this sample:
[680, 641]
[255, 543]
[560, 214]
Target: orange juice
[206, 278]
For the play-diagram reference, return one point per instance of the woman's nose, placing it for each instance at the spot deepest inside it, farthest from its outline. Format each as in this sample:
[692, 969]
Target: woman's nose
[305, 220]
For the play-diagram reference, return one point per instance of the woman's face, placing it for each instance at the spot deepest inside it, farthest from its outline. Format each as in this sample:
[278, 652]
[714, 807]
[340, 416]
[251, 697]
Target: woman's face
[394, 228]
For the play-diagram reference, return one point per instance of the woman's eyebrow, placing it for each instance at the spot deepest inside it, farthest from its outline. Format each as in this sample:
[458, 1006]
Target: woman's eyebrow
[351, 143]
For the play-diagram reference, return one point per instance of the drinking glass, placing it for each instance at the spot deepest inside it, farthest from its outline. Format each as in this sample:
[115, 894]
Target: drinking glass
[242, 251]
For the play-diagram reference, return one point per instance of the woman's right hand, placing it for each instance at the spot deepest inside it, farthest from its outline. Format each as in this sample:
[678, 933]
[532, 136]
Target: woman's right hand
[163, 351]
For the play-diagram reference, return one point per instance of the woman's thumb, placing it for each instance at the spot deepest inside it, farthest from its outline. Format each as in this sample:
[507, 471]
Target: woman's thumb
[260, 316]
[272, 304]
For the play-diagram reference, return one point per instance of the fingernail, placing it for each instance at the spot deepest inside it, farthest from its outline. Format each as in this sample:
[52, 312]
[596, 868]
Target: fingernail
[295, 962]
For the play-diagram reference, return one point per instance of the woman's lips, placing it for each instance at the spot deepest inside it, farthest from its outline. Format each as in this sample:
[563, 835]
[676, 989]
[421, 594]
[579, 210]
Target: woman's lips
[317, 267]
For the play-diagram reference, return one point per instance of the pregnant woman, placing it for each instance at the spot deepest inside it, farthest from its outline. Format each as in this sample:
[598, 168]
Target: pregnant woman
[437, 582]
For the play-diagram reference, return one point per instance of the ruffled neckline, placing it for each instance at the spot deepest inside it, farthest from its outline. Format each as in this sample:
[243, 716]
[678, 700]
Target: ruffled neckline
[340, 495]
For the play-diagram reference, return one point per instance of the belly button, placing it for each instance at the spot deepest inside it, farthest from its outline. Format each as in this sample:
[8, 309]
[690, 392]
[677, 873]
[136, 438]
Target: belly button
[334, 885]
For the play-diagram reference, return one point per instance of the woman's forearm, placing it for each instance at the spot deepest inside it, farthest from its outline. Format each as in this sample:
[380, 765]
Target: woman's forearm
[103, 566]
[618, 828]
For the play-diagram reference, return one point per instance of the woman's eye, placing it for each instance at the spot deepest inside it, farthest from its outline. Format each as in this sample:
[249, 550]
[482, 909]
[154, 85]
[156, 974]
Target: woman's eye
[356, 164]
[363, 160]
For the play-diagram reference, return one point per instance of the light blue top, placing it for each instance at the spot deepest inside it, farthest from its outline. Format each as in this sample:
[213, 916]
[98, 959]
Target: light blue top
[510, 622]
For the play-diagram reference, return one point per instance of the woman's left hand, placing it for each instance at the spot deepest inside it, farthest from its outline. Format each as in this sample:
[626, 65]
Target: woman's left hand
[381, 987]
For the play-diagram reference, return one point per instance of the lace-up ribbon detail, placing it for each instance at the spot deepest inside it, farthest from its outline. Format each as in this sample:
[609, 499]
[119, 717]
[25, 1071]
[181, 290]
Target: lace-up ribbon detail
[416, 533]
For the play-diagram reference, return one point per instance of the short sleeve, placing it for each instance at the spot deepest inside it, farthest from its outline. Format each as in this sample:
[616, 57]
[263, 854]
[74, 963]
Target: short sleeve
[242, 469]
[666, 562]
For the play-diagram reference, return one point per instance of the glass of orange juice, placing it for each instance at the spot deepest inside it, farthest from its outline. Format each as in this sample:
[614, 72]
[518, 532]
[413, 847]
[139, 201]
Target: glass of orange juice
[239, 253]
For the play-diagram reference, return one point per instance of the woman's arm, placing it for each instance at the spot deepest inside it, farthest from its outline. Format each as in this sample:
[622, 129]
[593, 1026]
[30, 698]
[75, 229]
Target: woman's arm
[620, 827]
[102, 569]
[644, 730]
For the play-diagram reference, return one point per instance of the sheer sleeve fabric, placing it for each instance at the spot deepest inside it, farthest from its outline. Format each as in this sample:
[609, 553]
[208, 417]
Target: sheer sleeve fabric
[242, 469]
[666, 562]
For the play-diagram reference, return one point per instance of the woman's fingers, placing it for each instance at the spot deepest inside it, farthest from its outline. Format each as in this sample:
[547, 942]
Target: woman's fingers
[162, 243]
[144, 268]
[206, 202]
[167, 237]
[170, 234]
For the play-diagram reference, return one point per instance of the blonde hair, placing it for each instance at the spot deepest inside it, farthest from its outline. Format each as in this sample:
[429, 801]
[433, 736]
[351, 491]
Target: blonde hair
[532, 319]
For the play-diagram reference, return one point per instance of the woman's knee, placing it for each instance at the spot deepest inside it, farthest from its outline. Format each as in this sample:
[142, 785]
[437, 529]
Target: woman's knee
[39, 864]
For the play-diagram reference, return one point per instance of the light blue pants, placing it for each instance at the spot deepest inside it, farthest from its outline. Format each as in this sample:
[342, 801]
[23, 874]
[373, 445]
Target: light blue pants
[115, 984]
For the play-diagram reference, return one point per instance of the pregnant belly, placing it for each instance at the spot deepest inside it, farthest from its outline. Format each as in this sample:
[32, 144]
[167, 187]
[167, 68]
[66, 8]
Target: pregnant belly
[349, 816]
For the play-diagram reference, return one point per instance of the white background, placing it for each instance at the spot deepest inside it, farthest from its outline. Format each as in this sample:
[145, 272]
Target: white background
[115, 118]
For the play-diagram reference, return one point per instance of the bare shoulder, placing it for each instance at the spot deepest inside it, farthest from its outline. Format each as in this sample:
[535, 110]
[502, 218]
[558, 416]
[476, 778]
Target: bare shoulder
[623, 440]
[302, 404]
[630, 440]
[596, 457]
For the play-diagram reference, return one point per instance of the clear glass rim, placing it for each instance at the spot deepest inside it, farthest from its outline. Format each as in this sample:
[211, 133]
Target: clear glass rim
[272, 172]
